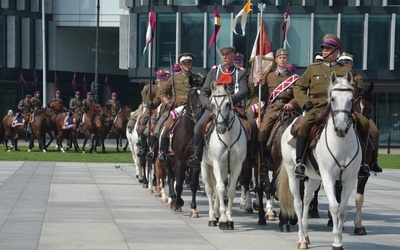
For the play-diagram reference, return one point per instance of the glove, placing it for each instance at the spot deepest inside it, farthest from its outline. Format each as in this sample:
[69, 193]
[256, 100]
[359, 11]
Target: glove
[309, 105]
[169, 105]
[208, 107]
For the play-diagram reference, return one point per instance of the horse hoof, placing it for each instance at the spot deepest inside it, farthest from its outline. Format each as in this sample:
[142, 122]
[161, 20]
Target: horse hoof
[271, 217]
[44, 151]
[9, 150]
[164, 200]
[223, 226]
[194, 214]
[248, 211]
[360, 231]
[83, 152]
[150, 191]
[337, 248]
[302, 245]
[157, 195]
[145, 185]
[231, 225]
[179, 202]
[29, 150]
[140, 181]
[262, 222]
[212, 223]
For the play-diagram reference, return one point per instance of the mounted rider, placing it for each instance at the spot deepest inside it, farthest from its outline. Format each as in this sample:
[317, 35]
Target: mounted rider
[148, 95]
[310, 92]
[236, 78]
[176, 87]
[75, 104]
[36, 102]
[114, 105]
[87, 101]
[26, 108]
[280, 88]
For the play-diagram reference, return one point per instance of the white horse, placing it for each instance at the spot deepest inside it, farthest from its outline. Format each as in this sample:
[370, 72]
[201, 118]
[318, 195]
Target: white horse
[223, 156]
[338, 154]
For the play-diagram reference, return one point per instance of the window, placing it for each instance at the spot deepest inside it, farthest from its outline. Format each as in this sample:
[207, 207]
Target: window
[299, 39]
[143, 60]
[192, 32]
[2, 42]
[166, 36]
[378, 42]
[323, 24]
[224, 37]
[397, 45]
[352, 30]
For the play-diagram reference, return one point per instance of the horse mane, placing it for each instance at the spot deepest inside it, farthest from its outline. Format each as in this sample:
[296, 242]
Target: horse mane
[366, 93]
[40, 111]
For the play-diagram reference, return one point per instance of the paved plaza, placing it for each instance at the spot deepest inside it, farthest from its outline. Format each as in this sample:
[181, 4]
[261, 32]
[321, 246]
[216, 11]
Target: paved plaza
[46, 205]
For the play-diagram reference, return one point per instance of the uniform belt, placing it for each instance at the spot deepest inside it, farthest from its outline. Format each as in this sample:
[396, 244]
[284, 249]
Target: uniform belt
[316, 96]
[281, 100]
[180, 96]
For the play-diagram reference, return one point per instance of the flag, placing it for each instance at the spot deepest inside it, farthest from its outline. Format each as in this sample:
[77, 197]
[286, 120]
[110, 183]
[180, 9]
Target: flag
[265, 55]
[285, 27]
[243, 17]
[36, 78]
[74, 81]
[84, 84]
[106, 84]
[217, 27]
[56, 79]
[23, 82]
[151, 28]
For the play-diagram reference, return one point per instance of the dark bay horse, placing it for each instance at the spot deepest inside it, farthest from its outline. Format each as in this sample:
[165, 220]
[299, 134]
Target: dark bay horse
[182, 145]
[119, 126]
[12, 132]
[41, 123]
[102, 126]
[88, 127]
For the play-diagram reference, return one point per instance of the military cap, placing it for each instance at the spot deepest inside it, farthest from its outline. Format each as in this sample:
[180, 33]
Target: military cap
[161, 73]
[333, 41]
[113, 94]
[58, 91]
[176, 68]
[318, 57]
[280, 52]
[345, 57]
[37, 92]
[28, 96]
[185, 57]
[228, 48]
[238, 57]
[89, 93]
[77, 93]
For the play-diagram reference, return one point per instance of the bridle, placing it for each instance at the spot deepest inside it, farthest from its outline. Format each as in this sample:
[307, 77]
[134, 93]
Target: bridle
[349, 114]
[193, 106]
[227, 120]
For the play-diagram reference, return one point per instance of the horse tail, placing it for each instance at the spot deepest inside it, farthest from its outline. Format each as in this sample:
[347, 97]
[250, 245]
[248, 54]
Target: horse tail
[285, 197]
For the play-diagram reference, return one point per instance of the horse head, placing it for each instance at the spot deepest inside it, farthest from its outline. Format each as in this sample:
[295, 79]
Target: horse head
[56, 106]
[341, 97]
[364, 100]
[223, 110]
[193, 104]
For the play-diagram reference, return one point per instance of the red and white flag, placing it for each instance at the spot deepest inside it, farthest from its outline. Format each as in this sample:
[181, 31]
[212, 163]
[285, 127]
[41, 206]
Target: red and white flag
[217, 28]
[151, 29]
[261, 54]
[243, 18]
[285, 27]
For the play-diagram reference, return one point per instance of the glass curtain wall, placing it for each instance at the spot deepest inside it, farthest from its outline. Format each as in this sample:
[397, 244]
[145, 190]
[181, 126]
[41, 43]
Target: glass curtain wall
[352, 38]
[378, 42]
[166, 39]
[2, 42]
[323, 24]
[397, 44]
[213, 57]
[299, 40]
[192, 31]
[143, 59]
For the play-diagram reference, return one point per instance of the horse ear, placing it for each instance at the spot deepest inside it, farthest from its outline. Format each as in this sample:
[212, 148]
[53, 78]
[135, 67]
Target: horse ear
[333, 77]
[349, 77]
[212, 86]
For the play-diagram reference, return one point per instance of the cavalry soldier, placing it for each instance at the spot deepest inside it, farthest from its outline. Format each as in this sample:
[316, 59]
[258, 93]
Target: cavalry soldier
[280, 87]
[147, 100]
[57, 98]
[114, 106]
[36, 102]
[75, 104]
[26, 108]
[347, 59]
[176, 87]
[310, 92]
[236, 78]
[87, 102]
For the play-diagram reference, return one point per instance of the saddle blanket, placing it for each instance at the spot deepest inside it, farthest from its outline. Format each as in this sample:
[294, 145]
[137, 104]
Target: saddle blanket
[69, 122]
[17, 121]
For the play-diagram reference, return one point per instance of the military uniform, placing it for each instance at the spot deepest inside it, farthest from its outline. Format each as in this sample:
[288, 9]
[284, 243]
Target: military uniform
[26, 107]
[75, 104]
[36, 102]
[86, 103]
[253, 97]
[114, 106]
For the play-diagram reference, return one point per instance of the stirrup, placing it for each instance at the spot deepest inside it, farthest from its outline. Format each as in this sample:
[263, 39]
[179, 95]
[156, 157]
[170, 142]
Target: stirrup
[193, 161]
[299, 170]
[376, 168]
[363, 172]
[162, 157]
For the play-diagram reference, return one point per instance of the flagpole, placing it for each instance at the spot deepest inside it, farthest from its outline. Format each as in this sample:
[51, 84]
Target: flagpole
[261, 8]
[215, 44]
[44, 85]
[247, 47]
[152, 48]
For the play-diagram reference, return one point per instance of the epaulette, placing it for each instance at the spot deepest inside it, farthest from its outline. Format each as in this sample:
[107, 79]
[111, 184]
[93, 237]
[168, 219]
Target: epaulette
[315, 63]
[240, 68]
[215, 66]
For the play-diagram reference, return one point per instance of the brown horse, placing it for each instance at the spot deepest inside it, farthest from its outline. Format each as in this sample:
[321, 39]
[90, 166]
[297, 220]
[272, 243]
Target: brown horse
[102, 126]
[119, 126]
[40, 124]
[11, 132]
[88, 128]
[56, 106]
[68, 132]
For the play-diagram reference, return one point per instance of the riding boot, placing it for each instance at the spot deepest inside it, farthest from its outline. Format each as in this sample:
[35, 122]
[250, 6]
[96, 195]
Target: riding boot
[364, 169]
[163, 147]
[150, 154]
[300, 168]
[142, 150]
[194, 160]
[250, 155]
[262, 146]
[375, 165]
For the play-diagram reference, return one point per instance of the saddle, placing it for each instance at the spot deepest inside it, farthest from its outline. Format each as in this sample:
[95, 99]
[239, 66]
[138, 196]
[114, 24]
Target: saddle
[17, 121]
[69, 122]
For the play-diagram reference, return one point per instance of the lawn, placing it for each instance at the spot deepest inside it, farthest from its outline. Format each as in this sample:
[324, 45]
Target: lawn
[111, 155]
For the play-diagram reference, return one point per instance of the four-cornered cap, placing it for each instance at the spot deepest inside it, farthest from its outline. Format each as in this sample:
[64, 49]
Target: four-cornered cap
[238, 57]
[114, 94]
[89, 94]
[185, 57]
[228, 49]
[161, 73]
[176, 68]
[345, 57]
[37, 92]
[318, 57]
[331, 40]
[28, 96]
[281, 52]
[58, 92]
[77, 93]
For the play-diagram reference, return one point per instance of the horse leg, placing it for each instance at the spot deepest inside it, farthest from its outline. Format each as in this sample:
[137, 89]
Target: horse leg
[245, 183]
[270, 215]
[51, 140]
[314, 213]
[359, 229]
[117, 140]
[260, 193]
[179, 180]
[194, 184]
